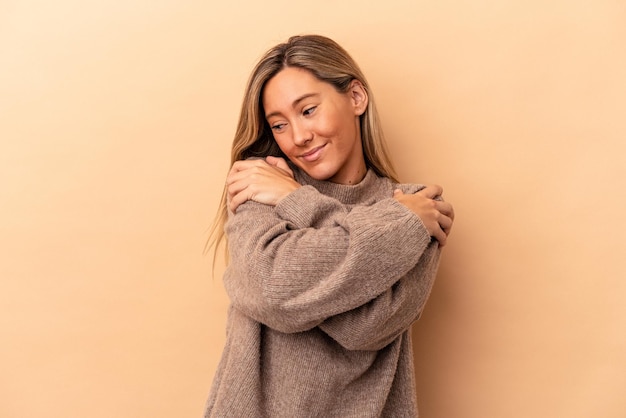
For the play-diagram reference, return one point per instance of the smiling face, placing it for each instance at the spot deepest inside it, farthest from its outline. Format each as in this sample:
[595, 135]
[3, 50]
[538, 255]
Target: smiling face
[316, 126]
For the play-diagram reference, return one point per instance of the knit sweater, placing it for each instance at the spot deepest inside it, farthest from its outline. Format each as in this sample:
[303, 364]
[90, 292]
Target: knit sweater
[324, 287]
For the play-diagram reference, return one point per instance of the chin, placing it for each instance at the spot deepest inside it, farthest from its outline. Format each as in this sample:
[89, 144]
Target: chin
[319, 173]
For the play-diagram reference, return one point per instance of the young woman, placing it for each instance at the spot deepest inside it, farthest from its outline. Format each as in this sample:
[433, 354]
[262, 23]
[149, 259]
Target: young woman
[331, 258]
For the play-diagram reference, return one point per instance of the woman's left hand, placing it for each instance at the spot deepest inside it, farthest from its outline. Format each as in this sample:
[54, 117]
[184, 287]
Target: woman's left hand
[265, 181]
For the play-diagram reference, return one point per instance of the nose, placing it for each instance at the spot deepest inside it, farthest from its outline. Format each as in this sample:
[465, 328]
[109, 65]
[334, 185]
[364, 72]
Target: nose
[302, 135]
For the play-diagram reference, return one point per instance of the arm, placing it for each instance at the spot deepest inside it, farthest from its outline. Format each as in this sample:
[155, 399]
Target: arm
[291, 276]
[380, 321]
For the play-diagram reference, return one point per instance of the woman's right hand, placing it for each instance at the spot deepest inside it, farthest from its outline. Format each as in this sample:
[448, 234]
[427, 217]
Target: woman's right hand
[436, 215]
[265, 181]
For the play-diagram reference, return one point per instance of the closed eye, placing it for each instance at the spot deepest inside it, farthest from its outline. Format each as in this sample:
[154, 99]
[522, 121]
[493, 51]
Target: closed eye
[278, 127]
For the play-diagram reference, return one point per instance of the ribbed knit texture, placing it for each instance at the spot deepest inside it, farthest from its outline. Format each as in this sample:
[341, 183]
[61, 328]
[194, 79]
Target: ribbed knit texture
[324, 288]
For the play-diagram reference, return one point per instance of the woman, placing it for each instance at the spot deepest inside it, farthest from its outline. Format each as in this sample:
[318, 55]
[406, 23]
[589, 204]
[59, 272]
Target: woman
[331, 259]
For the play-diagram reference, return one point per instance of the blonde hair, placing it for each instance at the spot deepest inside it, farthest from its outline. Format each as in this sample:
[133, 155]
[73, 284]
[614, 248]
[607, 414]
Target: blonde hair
[328, 62]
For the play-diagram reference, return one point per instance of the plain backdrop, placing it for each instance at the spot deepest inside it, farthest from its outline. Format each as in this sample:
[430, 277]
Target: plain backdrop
[116, 119]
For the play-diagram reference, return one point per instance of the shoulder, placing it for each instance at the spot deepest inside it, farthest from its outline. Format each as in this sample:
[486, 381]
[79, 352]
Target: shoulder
[408, 188]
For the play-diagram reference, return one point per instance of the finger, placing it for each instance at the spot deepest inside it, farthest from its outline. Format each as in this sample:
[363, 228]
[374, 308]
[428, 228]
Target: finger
[275, 161]
[271, 160]
[237, 167]
[397, 192]
[280, 163]
[283, 166]
[243, 165]
[431, 191]
[240, 172]
[440, 236]
[236, 187]
[445, 222]
[445, 208]
[236, 200]
[240, 165]
[241, 180]
[238, 177]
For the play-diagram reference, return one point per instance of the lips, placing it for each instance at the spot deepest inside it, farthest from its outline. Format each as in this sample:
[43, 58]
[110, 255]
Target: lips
[313, 154]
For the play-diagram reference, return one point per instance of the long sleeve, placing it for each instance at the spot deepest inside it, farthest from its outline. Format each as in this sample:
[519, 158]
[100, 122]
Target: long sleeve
[310, 258]
[376, 324]
[380, 321]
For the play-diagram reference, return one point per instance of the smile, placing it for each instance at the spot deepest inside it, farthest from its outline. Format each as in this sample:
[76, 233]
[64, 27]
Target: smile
[313, 154]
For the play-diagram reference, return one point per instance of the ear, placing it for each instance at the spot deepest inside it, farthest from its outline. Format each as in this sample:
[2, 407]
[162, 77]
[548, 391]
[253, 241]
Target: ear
[358, 97]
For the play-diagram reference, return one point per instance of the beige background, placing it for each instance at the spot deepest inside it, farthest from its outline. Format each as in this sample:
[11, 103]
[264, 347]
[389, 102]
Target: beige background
[115, 122]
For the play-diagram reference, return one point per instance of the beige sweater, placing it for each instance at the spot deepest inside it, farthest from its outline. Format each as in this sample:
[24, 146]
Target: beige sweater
[324, 288]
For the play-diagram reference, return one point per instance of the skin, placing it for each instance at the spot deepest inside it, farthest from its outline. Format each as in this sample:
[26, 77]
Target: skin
[318, 129]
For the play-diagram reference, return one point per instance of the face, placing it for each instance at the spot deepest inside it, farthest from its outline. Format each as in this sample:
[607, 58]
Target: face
[316, 126]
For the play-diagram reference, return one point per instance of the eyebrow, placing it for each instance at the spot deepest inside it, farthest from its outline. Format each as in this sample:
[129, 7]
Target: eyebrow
[294, 104]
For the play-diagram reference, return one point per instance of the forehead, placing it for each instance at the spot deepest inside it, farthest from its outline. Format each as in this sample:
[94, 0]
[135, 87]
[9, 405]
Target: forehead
[288, 85]
[291, 77]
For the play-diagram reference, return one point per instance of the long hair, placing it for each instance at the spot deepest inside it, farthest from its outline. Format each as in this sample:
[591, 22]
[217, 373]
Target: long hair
[328, 62]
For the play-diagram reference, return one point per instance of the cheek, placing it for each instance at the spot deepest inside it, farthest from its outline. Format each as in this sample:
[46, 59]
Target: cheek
[284, 144]
[329, 127]
[341, 128]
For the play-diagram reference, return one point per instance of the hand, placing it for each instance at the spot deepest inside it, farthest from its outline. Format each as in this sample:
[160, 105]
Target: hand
[436, 215]
[265, 181]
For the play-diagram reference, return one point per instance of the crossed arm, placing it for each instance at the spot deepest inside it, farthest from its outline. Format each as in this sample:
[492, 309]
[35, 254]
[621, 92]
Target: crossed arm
[363, 277]
[271, 180]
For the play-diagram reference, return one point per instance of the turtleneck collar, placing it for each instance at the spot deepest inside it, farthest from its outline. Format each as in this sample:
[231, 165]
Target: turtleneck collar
[348, 194]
